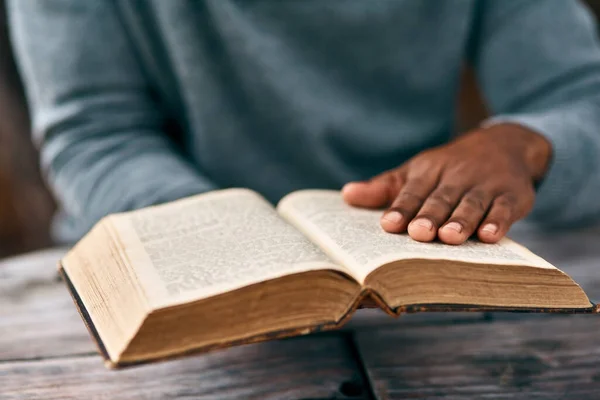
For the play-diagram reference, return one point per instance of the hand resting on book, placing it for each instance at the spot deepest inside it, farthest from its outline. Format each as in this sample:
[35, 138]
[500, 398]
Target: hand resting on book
[482, 182]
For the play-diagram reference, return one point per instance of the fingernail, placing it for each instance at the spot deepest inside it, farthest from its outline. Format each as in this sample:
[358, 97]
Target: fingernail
[423, 223]
[490, 228]
[393, 217]
[454, 226]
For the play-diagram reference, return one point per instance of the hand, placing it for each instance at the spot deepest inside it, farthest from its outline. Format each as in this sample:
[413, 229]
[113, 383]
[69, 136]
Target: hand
[481, 182]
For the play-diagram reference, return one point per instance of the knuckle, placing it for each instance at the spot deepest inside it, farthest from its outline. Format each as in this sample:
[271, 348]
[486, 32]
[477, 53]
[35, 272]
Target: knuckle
[475, 202]
[507, 200]
[448, 190]
[411, 197]
[501, 213]
[446, 193]
[423, 161]
[417, 181]
[397, 177]
[394, 182]
[441, 202]
[480, 194]
[423, 174]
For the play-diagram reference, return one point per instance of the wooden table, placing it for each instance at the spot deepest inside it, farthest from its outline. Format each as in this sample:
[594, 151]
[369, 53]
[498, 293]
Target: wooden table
[45, 351]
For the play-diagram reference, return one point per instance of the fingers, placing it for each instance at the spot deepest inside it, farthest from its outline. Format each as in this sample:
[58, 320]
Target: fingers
[428, 209]
[488, 216]
[377, 192]
[465, 219]
[434, 212]
[505, 210]
[406, 205]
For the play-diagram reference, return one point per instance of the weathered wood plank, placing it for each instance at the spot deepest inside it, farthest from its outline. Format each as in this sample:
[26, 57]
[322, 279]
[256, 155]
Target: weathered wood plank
[314, 367]
[549, 358]
[37, 316]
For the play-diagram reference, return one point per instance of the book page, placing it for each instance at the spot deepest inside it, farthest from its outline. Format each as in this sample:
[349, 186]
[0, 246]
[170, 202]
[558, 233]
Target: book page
[354, 237]
[212, 243]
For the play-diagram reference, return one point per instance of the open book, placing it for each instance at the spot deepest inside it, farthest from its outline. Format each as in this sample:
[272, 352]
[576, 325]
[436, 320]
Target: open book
[226, 268]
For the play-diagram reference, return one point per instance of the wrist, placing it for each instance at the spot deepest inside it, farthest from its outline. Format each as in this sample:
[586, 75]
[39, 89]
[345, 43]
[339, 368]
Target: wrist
[533, 148]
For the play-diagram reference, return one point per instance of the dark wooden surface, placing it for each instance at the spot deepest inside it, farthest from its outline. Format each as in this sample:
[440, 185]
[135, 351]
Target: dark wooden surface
[545, 358]
[37, 318]
[45, 351]
[302, 368]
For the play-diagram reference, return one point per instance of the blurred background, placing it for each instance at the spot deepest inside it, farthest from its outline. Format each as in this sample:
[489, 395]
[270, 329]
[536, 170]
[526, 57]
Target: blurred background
[26, 206]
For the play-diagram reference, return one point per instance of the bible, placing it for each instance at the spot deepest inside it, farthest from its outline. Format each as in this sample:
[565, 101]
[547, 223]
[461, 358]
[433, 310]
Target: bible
[227, 268]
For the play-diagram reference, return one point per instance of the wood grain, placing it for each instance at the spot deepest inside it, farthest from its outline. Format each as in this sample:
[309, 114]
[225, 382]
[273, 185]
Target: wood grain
[543, 358]
[37, 316]
[301, 368]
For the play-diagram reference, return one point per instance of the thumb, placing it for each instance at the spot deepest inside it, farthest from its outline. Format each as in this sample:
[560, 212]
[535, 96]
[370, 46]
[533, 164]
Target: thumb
[376, 192]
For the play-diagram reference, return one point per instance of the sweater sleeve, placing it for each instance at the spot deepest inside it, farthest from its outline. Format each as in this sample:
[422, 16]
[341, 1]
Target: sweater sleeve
[98, 128]
[538, 64]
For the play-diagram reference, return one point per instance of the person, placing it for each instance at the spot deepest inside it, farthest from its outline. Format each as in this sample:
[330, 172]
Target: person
[280, 96]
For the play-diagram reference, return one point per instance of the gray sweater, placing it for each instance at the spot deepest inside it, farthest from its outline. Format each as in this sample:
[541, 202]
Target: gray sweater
[283, 95]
